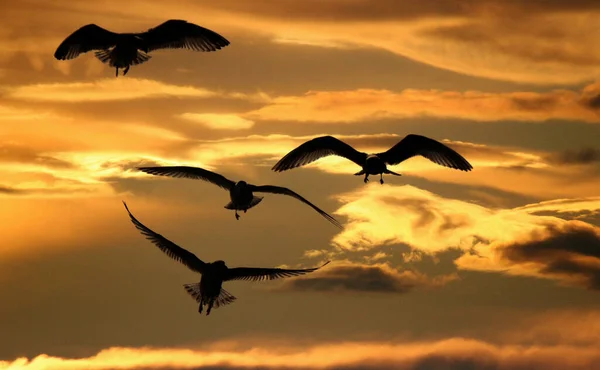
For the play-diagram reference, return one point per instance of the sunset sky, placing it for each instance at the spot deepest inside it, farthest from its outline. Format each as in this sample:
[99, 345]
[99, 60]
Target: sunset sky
[498, 268]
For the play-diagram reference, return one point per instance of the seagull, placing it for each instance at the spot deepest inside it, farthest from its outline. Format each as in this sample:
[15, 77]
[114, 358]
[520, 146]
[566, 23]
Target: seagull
[374, 164]
[122, 50]
[240, 193]
[209, 290]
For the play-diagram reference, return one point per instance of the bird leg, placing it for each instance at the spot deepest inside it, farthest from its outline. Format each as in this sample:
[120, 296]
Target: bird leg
[210, 305]
[117, 72]
[366, 178]
[126, 70]
[245, 210]
[237, 217]
[200, 306]
[381, 179]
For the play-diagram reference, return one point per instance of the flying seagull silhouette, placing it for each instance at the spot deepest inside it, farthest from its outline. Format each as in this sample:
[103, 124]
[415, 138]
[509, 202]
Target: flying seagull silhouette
[209, 290]
[122, 50]
[240, 193]
[373, 164]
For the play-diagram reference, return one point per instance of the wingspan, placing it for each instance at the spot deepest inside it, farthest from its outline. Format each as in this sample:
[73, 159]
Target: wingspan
[285, 191]
[179, 34]
[259, 274]
[433, 150]
[190, 173]
[317, 148]
[89, 37]
[171, 249]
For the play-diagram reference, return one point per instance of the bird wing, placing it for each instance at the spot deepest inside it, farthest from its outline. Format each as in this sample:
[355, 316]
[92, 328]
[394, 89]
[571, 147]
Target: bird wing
[285, 191]
[179, 34]
[171, 249]
[259, 274]
[317, 148]
[89, 37]
[433, 150]
[190, 173]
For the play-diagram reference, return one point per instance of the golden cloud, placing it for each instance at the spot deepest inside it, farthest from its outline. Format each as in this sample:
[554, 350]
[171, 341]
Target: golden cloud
[104, 90]
[219, 121]
[514, 241]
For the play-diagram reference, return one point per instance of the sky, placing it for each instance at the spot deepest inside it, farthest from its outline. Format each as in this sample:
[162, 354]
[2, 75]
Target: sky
[497, 268]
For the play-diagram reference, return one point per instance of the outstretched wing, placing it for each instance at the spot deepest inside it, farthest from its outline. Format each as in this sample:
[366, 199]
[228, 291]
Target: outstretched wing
[190, 173]
[259, 274]
[179, 34]
[317, 148]
[90, 37]
[285, 191]
[433, 150]
[171, 249]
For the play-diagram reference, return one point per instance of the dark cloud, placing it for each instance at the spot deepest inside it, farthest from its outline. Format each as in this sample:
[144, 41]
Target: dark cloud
[570, 253]
[580, 156]
[363, 278]
[22, 154]
[593, 102]
[382, 10]
[10, 190]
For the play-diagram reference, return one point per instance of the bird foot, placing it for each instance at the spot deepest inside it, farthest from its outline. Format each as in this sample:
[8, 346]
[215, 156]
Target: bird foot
[237, 217]
[366, 180]
[245, 210]
[126, 70]
[381, 181]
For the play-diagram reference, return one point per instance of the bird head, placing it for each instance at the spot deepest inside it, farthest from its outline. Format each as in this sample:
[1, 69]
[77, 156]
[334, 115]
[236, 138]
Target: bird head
[219, 264]
[242, 184]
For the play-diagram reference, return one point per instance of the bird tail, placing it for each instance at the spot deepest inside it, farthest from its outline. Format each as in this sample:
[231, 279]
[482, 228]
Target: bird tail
[361, 172]
[224, 296]
[108, 56]
[255, 200]
[392, 173]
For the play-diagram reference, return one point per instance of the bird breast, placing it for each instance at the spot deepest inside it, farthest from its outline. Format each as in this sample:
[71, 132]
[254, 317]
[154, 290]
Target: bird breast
[374, 165]
[241, 195]
[210, 285]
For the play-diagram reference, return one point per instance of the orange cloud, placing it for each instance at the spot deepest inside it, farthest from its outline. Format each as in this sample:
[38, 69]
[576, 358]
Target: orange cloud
[364, 104]
[514, 41]
[454, 353]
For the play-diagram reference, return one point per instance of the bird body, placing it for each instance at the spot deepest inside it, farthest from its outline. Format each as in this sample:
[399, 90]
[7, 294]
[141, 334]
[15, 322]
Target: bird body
[241, 193]
[374, 163]
[242, 198]
[122, 50]
[209, 291]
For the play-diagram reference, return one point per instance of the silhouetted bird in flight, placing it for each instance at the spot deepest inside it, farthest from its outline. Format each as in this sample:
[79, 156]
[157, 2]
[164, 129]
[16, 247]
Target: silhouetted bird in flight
[240, 193]
[373, 164]
[209, 291]
[122, 50]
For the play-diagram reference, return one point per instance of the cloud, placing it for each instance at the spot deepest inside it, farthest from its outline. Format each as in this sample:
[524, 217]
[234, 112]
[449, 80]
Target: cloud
[12, 152]
[449, 354]
[513, 241]
[104, 90]
[353, 106]
[569, 252]
[219, 121]
[352, 277]
[576, 157]
[514, 41]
